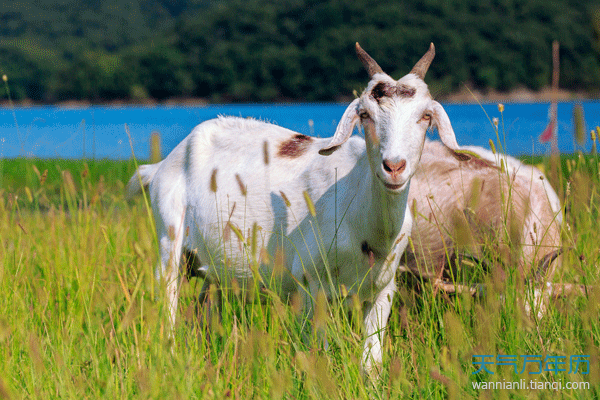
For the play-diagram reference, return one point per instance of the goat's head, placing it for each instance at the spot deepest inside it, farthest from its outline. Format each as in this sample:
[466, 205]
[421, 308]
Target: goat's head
[395, 116]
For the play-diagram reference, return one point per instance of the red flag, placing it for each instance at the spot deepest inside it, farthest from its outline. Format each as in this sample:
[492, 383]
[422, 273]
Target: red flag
[548, 132]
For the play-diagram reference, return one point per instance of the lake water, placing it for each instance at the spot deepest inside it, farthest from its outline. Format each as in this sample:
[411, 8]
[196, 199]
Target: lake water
[100, 131]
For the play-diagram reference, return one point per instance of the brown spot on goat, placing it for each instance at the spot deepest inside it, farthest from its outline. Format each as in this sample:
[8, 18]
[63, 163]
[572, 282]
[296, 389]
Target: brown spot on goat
[382, 89]
[405, 90]
[366, 249]
[295, 146]
[385, 89]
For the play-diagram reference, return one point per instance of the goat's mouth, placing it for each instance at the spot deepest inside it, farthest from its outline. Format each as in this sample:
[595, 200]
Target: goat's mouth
[394, 187]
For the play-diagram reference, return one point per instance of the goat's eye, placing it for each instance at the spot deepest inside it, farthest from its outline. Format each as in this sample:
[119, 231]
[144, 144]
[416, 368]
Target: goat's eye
[363, 115]
[426, 117]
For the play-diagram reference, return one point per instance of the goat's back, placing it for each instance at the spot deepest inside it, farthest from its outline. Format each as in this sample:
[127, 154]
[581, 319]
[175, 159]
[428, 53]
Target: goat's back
[234, 181]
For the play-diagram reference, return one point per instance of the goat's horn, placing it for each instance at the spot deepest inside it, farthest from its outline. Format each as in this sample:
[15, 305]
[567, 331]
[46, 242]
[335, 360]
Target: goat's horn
[545, 262]
[421, 67]
[370, 65]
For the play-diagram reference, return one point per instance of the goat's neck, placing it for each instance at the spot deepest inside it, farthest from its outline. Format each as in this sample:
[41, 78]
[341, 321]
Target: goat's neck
[383, 210]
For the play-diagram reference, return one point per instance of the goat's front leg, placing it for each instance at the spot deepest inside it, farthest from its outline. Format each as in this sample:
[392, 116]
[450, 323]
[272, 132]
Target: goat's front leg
[170, 257]
[375, 322]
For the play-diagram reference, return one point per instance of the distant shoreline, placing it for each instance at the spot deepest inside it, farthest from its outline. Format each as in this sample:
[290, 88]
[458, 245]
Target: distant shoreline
[465, 96]
[520, 95]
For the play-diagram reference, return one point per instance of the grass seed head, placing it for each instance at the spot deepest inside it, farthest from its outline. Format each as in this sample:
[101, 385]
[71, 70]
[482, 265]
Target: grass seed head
[69, 183]
[296, 303]
[28, 193]
[285, 199]
[309, 204]
[263, 256]
[579, 124]
[266, 152]
[37, 172]
[254, 241]
[237, 232]
[320, 314]
[243, 188]
[492, 146]
[85, 172]
[279, 262]
[155, 147]
[462, 234]
[213, 181]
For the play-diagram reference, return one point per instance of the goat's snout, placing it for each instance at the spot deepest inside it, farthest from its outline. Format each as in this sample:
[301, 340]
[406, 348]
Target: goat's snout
[394, 168]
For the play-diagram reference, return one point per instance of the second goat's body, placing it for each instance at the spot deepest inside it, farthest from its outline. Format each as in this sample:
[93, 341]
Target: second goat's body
[500, 212]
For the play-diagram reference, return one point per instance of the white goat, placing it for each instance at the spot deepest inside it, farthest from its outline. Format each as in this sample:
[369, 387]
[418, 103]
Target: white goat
[458, 205]
[231, 174]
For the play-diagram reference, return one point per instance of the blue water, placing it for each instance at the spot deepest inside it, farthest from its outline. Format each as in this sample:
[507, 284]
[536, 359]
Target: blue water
[100, 132]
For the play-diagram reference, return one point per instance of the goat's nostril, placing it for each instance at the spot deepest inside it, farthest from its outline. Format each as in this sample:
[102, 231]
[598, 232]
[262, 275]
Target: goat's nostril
[394, 168]
[401, 166]
[386, 166]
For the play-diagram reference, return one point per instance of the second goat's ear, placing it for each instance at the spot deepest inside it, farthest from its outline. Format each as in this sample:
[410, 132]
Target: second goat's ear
[447, 136]
[343, 130]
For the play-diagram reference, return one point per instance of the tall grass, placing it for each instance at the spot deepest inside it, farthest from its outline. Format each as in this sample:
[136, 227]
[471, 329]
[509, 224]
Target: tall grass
[81, 315]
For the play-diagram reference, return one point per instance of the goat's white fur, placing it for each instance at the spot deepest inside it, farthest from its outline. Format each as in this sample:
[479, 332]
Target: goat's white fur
[443, 190]
[361, 226]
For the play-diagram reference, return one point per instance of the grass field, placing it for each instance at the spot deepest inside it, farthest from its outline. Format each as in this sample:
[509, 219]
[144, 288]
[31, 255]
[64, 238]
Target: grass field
[81, 315]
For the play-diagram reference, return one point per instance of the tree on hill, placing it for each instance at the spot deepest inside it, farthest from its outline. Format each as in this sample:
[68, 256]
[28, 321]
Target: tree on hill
[266, 50]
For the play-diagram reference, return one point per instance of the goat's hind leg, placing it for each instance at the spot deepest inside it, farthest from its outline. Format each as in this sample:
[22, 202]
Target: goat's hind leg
[209, 301]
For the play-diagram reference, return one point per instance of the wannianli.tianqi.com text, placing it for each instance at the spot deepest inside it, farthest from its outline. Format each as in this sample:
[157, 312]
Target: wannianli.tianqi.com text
[530, 384]
[532, 365]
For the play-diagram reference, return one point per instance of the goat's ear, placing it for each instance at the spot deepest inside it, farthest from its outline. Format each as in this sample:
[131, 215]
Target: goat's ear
[442, 122]
[343, 130]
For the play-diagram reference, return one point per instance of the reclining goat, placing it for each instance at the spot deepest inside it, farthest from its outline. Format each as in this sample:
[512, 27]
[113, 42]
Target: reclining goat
[506, 215]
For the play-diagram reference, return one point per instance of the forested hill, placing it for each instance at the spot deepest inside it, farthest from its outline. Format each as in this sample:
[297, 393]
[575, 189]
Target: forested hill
[300, 50]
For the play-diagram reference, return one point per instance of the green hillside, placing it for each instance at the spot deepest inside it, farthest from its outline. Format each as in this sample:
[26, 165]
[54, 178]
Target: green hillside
[300, 50]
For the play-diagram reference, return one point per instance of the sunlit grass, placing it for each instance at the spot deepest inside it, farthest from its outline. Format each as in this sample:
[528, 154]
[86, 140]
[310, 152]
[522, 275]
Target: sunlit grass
[81, 315]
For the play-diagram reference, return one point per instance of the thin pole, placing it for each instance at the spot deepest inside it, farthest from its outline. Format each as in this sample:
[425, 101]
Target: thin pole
[553, 106]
